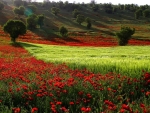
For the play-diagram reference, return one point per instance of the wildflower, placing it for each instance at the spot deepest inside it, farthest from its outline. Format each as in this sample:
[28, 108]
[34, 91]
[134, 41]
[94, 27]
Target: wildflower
[71, 103]
[84, 109]
[126, 107]
[58, 103]
[34, 110]
[16, 110]
[64, 109]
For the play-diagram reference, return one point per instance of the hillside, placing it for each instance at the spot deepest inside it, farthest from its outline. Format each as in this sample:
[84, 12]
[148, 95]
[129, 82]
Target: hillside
[103, 24]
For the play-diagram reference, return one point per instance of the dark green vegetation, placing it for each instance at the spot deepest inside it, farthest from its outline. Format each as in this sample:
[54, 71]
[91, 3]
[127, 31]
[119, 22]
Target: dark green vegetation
[105, 19]
[124, 35]
[14, 28]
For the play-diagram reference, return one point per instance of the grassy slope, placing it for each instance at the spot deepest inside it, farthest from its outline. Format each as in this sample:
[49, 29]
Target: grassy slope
[130, 60]
[102, 23]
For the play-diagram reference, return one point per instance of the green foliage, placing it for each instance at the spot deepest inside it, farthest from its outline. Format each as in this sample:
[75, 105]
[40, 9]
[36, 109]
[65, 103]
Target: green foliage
[138, 13]
[63, 31]
[55, 10]
[1, 6]
[32, 21]
[75, 13]
[80, 18]
[60, 4]
[40, 20]
[146, 13]
[88, 20]
[14, 28]
[19, 11]
[115, 9]
[95, 8]
[32, 7]
[124, 35]
[89, 25]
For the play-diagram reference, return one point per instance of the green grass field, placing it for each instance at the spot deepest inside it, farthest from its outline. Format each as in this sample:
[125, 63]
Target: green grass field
[129, 60]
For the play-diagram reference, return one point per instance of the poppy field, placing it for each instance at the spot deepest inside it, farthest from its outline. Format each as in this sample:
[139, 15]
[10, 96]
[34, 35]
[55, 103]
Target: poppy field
[30, 85]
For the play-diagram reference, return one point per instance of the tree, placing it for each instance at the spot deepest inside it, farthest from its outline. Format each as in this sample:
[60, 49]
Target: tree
[80, 18]
[138, 13]
[14, 28]
[61, 4]
[19, 11]
[40, 20]
[55, 10]
[1, 6]
[95, 8]
[31, 21]
[124, 35]
[88, 20]
[63, 31]
[75, 13]
[146, 13]
[89, 25]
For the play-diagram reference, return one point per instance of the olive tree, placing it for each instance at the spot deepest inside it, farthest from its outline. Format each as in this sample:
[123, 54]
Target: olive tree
[63, 31]
[80, 18]
[40, 20]
[88, 20]
[14, 28]
[124, 35]
[32, 21]
[55, 10]
[75, 13]
[19, 11]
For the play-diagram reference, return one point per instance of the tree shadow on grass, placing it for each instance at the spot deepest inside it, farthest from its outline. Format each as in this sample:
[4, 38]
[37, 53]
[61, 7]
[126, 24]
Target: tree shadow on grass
[23, 44]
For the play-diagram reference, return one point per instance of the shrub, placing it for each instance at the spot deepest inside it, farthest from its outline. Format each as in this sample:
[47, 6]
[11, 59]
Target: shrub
[14, 28]
[124, 35]
[19, 11]
[80, 18]
[63, 31]
[89, 25]
[32, 21]
[75, 13]
[55, 10]
[40, 20]
[88, 20]
[146, 13]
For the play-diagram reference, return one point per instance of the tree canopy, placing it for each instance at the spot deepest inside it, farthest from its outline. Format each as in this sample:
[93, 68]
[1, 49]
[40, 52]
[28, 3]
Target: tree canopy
[14, 28]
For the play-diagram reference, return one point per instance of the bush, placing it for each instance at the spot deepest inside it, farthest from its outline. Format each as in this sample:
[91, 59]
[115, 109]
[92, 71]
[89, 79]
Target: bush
[88, 20]
[55, 10]
[124, 35]
[63, 31]
[89, 25]
[75, 13]
[19, 11]
[40, 20]
[80, 18]
[146, 13]
[14, 28]
[32, 21]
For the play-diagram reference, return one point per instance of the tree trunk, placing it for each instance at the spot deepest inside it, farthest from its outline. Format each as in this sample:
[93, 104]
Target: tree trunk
[13, 40]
